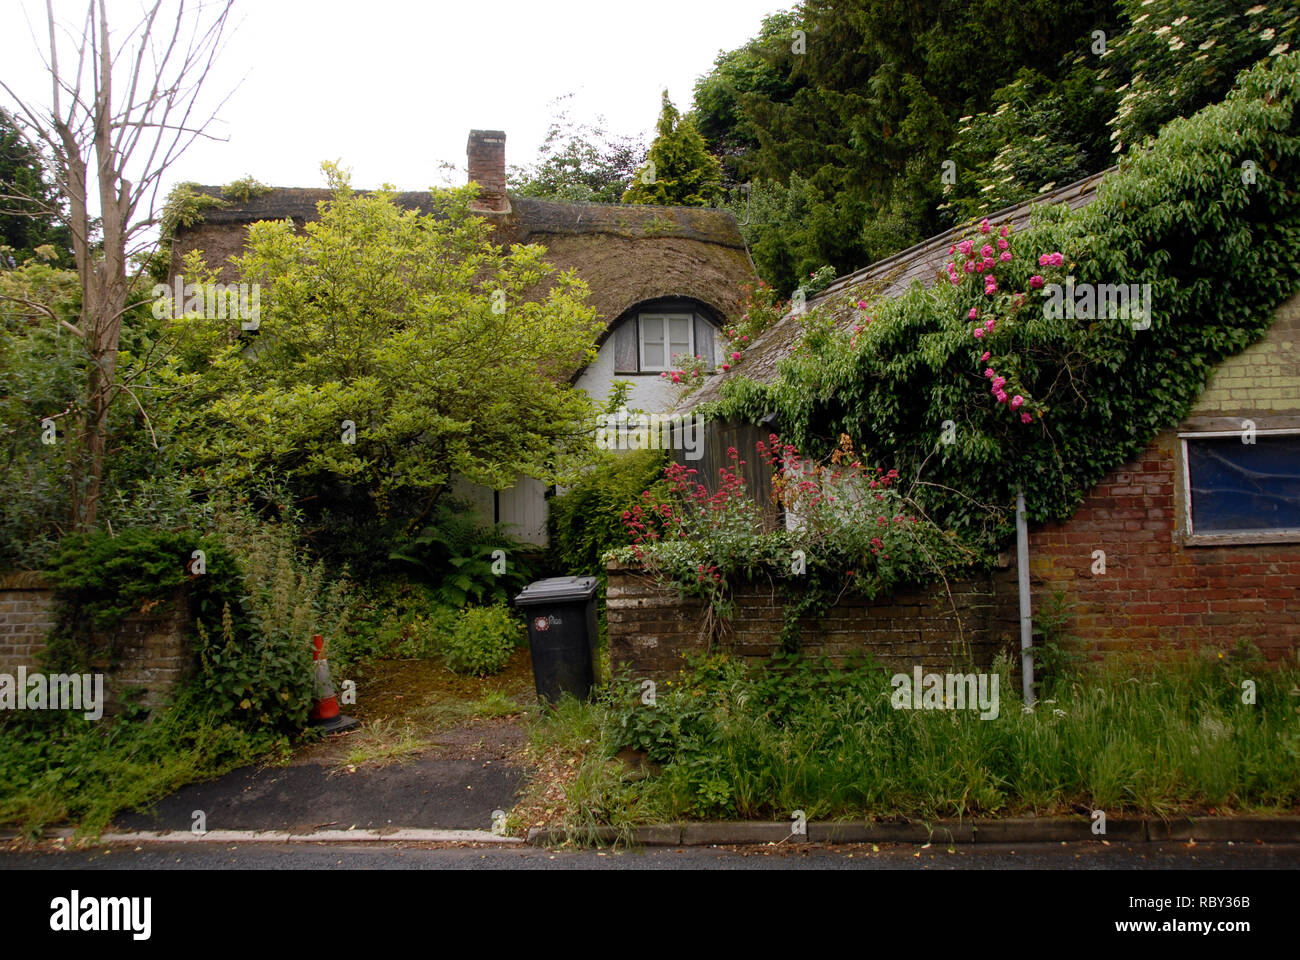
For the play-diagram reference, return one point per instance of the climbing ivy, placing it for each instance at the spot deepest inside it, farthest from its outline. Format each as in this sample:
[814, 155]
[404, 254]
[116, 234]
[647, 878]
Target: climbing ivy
[1208, 216]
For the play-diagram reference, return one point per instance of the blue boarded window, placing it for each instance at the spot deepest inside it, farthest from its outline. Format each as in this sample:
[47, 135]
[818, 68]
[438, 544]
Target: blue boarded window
[1243, 488]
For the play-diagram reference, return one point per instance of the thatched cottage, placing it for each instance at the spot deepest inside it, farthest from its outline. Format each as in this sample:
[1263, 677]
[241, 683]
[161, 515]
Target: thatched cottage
[665, 280]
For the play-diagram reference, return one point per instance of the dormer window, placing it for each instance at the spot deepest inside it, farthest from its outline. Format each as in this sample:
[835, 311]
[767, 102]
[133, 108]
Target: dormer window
[663, 335]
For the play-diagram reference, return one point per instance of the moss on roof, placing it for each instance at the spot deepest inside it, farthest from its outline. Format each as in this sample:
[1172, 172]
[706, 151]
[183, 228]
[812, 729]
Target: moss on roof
[921, 263]
[627, 254]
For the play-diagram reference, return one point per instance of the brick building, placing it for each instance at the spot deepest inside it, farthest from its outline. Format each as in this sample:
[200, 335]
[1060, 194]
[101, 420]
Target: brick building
[1194, 543]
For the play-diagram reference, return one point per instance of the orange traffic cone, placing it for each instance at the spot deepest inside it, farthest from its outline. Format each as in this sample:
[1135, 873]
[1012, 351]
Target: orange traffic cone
[325, 713]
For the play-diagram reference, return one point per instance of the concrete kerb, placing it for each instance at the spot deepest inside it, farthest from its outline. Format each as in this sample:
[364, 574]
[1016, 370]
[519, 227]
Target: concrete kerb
[1282, 829]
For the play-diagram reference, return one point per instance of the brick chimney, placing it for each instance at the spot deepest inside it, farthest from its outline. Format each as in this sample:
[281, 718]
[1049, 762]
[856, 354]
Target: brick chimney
[487, 168]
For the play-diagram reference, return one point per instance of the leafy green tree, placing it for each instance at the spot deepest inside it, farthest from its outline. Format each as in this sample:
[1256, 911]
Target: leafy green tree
[860, 100]
[395, 349]
[1038, 133]
[679, 169]
[580, 163]
[762, 67]
[29, 204]
[1176, 56]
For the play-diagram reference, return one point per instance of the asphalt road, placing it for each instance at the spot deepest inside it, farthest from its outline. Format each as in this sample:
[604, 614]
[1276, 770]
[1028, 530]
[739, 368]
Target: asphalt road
[306, 857]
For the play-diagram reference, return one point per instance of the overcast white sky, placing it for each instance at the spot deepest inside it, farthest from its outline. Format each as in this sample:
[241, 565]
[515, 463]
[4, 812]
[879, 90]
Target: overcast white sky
[392, 87]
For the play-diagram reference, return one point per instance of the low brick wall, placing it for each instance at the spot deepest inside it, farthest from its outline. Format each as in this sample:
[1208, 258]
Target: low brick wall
[650, 627]
[154, 653]
[26, 618]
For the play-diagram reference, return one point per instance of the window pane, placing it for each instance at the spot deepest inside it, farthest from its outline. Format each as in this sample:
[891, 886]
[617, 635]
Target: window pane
[1244, 486]
[654, 356]
[652, 329]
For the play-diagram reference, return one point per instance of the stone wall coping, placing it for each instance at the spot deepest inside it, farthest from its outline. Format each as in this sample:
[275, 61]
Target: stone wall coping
[25, 580]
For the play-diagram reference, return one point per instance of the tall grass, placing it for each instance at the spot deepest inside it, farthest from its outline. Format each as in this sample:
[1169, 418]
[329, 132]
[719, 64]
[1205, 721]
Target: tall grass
[734, 743]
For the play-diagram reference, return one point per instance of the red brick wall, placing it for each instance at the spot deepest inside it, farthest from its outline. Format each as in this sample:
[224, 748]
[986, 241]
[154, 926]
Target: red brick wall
[154, 652]
[650, 628]
[1158, 592]
[1158, 597]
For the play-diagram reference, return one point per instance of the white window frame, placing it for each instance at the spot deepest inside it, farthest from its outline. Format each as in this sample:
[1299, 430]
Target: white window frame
[640, 338]
[1193, 539]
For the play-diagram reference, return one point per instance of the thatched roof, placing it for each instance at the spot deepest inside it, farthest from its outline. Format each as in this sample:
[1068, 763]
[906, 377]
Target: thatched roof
[887, 278]
[626, 253]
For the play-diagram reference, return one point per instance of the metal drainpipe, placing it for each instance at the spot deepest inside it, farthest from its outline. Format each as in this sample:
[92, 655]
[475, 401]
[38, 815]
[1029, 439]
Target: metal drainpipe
[1026, 612]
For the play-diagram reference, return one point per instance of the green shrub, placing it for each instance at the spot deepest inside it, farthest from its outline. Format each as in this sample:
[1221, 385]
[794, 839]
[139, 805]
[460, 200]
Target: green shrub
[255, 603]
[585, 521]
[256, 665]
[100, 578]
[482, 641]
[463, 558]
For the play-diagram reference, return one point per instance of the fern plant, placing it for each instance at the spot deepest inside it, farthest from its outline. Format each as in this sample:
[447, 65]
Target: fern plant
[466, 561]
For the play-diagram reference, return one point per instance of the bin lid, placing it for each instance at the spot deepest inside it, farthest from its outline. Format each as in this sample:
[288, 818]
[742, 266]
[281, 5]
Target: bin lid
[557, 590]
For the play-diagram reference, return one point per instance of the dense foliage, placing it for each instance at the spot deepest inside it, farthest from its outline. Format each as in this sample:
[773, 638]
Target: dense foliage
[723, 740]
[679, 168]
[1208, 217]
[854, 532]
[464, 559]
[395, 349]
[864, 127]
[31, 204]
[483, 640]
[253, 599]
[841, 115]
[585, 521]
[43, 376]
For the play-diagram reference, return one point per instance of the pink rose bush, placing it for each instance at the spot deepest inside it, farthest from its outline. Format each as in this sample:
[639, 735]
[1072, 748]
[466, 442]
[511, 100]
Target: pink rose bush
[997, 309]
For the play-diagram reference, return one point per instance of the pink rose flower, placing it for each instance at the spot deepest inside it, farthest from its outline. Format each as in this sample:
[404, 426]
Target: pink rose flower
[998, 382]
[725, 366]
[1002, 244]
[1005, 256]
[984, 225]
[979, 332]
[1035, 281]
[1026, 418]
[735, 355]
[969, 266]
[988, 324]
[1003, 232]
[1017, 402]
[973, 313]
[965, 246]
[988, 371]
[986, 250]
[984, 356]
